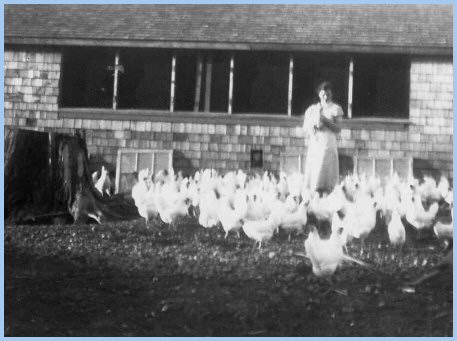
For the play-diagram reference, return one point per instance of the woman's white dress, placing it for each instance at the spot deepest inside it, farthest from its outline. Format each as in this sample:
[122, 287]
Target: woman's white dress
[321, 167]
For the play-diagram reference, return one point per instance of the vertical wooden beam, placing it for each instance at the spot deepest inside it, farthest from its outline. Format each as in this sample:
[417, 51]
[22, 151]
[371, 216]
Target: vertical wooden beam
[230, 100]
[291, 82]
[391, 167]
[209, 70]
[118, 170]
[136, 162]
[350, 86]
[116, 78]
[153, 159]
[198, 83]
[173, 82]
[51, 173]
[374, 167]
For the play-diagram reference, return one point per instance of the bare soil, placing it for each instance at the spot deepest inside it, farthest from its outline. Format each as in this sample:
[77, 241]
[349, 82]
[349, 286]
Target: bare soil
[121, 279]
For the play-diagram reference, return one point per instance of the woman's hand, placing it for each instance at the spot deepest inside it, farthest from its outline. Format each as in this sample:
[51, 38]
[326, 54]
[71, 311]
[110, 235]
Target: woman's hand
[333, 125]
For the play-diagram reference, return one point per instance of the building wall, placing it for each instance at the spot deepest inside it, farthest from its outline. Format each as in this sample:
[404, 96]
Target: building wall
[31, 102]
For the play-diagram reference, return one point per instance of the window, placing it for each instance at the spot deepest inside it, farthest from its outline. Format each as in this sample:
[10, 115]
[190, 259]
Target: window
[87, 78]
[220, 78]
[144, 82]
[292, 162]
[381, 86]
[312, 69]
[131, 161]
[186, 75]
[202, 81]
[383, 167]
[260, 82]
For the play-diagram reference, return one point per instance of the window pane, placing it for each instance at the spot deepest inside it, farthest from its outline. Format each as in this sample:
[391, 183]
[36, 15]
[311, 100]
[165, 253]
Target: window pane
[144, 161]
[310, 70]
[146, 79]
[128, 162]
[401, 167]
[365, 166]
[220, 82]
[381, 86]
[161, 161]
[87, 78]
[186, 72]
[127, 181]
[382, 168]
[260, 82]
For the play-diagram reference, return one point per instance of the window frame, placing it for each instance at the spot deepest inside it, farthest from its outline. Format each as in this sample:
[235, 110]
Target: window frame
[203, 84]
[138, 151]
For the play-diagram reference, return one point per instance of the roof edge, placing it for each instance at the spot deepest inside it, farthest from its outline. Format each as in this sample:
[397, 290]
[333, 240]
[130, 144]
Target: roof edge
[385, 49]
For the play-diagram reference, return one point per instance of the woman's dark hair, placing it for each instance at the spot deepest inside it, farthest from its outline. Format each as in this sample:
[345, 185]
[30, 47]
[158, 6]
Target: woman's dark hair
[324, 86]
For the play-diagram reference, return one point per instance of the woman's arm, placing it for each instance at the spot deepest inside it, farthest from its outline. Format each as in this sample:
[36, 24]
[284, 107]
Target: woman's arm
[332, 125]
[308, 127]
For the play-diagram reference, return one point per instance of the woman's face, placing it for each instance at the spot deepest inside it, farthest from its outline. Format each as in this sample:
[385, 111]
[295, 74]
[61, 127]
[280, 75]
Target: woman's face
[325, 95]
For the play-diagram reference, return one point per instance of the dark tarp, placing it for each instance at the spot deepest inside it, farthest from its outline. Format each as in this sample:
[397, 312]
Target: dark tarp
[48, 174]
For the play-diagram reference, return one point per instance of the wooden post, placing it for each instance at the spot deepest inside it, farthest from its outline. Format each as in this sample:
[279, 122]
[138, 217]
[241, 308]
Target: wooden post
[173, 83]
[118, 170]
[291, 79]
[209, 70]
[198, 83]
[350, 86]
[116, 77]
[52, 165]
[232, 66]
[391, 166]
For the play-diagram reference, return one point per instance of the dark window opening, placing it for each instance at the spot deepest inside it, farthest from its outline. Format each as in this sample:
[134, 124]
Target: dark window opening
[381, 86]
[186, 73]
[312, 69]
[220, 82]
[256, 158]
[145, 80]
[87, 78]
[260, 82]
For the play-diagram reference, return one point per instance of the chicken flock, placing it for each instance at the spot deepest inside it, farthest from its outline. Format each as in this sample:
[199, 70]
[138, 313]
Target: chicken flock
[262, 205]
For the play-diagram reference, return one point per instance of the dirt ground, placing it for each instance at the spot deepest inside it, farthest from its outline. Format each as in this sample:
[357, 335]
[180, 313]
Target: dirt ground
[121, 279]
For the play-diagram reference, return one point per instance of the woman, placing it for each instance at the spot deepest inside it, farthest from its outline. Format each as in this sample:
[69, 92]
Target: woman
[321, 124]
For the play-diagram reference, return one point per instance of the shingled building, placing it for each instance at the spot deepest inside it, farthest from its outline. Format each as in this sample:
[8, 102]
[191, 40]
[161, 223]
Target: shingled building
[225, 86]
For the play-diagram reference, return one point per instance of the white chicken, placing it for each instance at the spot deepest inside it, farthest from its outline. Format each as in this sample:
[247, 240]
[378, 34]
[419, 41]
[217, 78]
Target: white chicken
[326, 254]
[360, 217]
[209, 216]
[428, 190]
[148, 207]
[171, 206]
[444, 187]
[261, 230]
[324, 207]
[445, 230]
[241, 178]
[231, 220]
[103, 183]
[140, 189]
[396, 230]
[291, 222]
[417, 216]
[143, 193]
